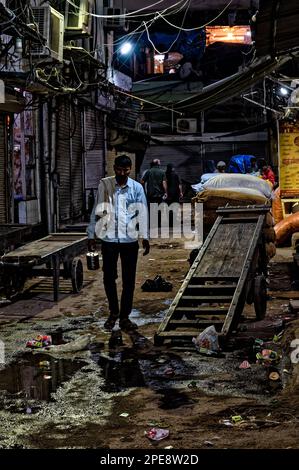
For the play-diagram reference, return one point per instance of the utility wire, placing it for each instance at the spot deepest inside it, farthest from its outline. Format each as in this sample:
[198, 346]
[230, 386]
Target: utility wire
[125, 15]
[198, 27]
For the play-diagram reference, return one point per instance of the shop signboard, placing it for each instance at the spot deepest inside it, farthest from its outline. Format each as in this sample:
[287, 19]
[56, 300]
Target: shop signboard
[289, 160]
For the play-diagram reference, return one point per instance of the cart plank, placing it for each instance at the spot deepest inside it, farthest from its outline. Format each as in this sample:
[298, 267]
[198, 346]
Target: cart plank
[231, 243]
[44, 247]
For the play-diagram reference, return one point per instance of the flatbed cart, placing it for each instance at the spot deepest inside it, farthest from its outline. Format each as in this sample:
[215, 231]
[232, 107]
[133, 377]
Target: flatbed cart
[229, 270]
[43, 258]
[12, 235]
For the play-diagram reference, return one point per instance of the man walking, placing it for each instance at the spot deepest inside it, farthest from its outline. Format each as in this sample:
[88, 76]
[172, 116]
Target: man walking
[118, 219]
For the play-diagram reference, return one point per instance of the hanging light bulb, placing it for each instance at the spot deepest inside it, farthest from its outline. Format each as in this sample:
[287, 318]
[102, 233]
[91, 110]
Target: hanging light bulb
[126, 48]
[283, 91]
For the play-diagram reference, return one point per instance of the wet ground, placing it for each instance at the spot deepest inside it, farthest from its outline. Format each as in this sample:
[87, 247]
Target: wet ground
[111, 388]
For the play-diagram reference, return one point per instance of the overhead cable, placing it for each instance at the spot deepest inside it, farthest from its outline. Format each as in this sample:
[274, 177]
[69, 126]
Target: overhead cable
[198, 27]
[125, 15]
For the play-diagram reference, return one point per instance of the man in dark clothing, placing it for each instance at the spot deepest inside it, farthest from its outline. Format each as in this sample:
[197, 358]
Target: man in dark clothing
[174, 187]
[155, 180]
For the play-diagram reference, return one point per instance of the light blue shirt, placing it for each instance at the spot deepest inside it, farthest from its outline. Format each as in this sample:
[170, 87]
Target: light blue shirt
[117, 211]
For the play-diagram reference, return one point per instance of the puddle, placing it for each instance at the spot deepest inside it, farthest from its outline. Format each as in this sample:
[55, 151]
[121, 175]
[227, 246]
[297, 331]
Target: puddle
[121, 371]
[37, 376]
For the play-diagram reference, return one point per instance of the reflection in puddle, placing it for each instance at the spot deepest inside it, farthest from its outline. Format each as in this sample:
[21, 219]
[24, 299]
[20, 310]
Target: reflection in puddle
[173, 399]
[121, 370]
[37, 376]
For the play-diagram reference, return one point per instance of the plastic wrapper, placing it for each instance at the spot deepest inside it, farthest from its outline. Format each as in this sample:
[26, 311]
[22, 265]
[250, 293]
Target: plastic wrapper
[157, 434]
[208, 339]
[41, 341]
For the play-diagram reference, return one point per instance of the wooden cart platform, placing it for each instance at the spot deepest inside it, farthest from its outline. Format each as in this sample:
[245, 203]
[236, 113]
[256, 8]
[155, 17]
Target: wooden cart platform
[12, 235]
[51, 252]
[229, 270]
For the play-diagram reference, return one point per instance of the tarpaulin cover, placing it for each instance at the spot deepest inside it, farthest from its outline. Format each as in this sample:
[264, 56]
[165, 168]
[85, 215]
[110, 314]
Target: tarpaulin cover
[240, 164]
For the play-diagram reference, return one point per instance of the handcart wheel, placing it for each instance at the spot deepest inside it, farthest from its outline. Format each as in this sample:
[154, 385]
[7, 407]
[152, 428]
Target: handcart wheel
[67, 269]
[250, 292]
[260, 296]
[77, 275]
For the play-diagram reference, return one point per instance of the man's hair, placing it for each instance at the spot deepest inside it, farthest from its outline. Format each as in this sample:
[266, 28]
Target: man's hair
[123, 161]
[156, 162]
[261, 163]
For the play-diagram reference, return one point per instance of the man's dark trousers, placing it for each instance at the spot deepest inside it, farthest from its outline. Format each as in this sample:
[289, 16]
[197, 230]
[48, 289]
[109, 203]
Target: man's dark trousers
[128, 253]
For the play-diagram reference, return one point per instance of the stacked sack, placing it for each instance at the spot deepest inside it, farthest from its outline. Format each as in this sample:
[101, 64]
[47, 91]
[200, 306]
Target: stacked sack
[233, 190]
[269, 236]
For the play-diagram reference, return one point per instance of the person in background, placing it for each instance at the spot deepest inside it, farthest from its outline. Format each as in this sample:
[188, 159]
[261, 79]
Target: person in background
[155, 181]
[113, 221]
[220, 167]
[242, 164]
[142, 177]
[174, 186]
[266, 171]
[208, 166]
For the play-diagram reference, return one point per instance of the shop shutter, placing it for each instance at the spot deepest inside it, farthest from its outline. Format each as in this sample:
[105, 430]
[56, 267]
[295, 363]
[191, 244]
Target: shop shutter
[258, 149]
[187, 160]
[3, 172]
[76, 163]
[64, 160]
[94, 148]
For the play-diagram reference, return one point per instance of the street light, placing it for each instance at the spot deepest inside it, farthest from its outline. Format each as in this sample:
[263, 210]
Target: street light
[283, 91]
[126, 48]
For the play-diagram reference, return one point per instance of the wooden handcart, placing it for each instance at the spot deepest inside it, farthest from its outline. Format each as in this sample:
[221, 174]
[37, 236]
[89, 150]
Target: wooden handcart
[229, 270]
[44, 257]
[12, 235]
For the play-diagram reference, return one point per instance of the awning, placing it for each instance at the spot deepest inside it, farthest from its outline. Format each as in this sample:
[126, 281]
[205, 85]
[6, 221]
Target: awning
[228, 87]
[276, 31]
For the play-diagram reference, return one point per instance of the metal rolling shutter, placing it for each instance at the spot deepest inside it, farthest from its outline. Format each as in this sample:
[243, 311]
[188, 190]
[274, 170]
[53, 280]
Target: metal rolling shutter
[258, 149]
[94, 148]
[64, 160]
[187, 160]
[219, 151]
[3, 172]
[76, 163]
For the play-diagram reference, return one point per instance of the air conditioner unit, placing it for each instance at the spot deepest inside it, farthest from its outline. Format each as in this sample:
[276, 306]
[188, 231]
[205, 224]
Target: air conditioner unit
[50, 25]
[116, 18]
[144, 126]
[186, 126]
[77, 17]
